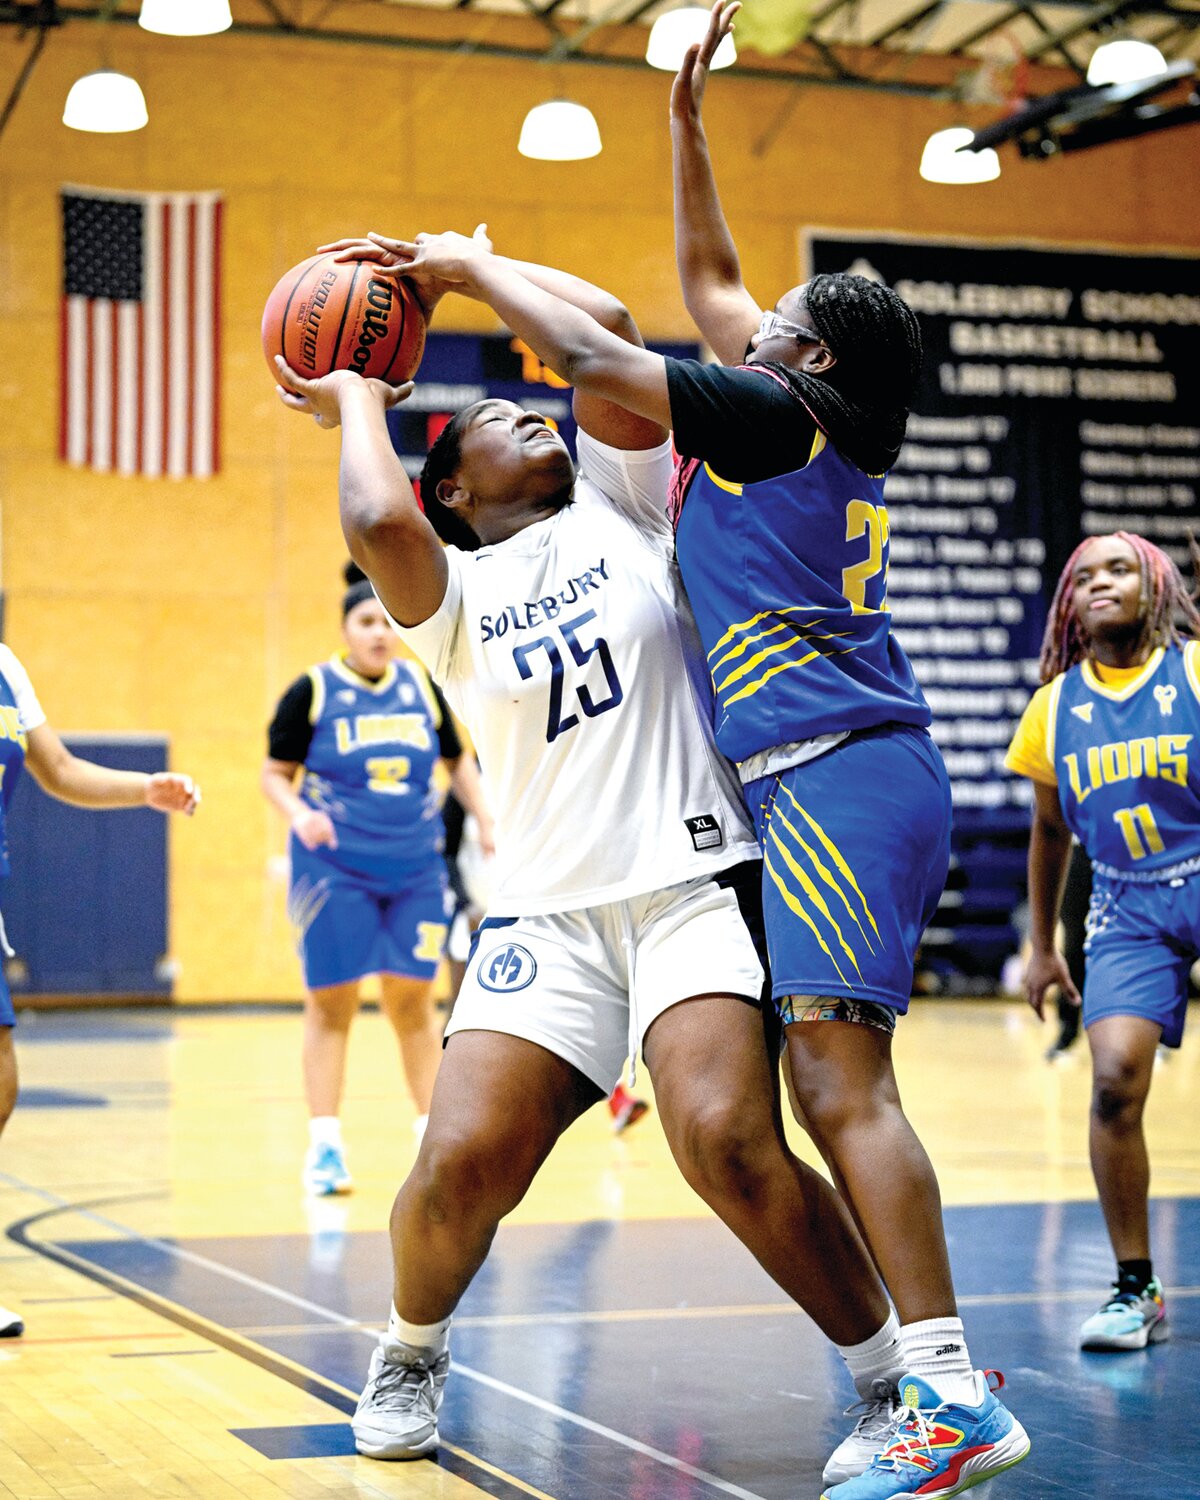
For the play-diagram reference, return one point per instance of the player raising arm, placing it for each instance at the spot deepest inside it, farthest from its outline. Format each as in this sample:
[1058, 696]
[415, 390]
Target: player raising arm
[626, 877]
[26, 739]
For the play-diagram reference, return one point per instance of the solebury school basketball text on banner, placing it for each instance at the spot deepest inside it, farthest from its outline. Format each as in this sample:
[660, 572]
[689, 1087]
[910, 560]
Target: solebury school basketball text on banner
[140, 332]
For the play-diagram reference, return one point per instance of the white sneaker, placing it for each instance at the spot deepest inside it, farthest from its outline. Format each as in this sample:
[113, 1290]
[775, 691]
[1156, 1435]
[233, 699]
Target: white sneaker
[325, 1171]
[398, 1409]
[854, 1453]
[12, 1325]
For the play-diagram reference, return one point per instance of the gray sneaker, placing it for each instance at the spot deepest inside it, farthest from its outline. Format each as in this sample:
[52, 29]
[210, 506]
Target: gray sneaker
[1128, 1320]
[854, 1453]
[398, 1409]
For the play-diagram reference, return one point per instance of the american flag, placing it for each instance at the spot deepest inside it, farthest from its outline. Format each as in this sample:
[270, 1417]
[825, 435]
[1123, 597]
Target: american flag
[141, 329]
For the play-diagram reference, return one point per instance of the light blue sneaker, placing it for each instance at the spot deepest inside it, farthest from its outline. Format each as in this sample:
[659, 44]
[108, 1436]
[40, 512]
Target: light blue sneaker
[325, 1171]
[1128, 1320]
[939, 1448]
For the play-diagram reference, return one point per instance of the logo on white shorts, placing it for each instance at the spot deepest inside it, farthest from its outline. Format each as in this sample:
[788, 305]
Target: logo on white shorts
[510, 967]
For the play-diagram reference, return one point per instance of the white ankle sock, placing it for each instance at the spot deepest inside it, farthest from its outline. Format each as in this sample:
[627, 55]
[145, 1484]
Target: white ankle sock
[434, 1337]
[325, 1130]
[877, 1358]
[936, 1350]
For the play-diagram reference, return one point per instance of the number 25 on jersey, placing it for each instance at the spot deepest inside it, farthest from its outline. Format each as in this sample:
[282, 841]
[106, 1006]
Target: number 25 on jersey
[557, 722]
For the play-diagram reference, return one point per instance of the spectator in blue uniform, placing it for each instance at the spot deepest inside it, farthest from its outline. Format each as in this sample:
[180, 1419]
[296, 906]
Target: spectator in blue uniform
[26, 739]
[353, 756]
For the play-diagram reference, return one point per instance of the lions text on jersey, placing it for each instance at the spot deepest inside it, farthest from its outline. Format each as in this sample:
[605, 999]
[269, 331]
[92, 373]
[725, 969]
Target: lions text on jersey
[371, 760]
[1125, 758]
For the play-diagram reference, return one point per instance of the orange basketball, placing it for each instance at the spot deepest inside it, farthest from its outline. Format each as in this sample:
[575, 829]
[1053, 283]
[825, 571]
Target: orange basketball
[328, 315]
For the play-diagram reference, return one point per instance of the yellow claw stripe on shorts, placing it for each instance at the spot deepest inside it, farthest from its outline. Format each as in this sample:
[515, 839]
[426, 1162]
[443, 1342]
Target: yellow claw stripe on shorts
[802, 894]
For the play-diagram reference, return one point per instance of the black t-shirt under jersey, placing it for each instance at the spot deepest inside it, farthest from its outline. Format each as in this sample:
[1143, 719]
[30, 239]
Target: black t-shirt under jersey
[291, 731]
[741, 421]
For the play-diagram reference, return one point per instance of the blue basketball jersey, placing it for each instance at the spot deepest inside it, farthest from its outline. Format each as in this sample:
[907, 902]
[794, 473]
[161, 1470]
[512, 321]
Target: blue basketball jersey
[1127, 764]
[12, 760]
[788, 581]
[371, 761]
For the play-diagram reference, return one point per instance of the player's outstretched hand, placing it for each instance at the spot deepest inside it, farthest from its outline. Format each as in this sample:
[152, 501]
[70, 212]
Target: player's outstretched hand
[1044, 970]
[314, 828]
[383, 252]
[446, 258]
[687, 92]
[322, 398]
[167, 792]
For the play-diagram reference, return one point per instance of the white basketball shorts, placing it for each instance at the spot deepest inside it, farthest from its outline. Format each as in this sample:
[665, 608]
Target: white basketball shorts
[587, 985]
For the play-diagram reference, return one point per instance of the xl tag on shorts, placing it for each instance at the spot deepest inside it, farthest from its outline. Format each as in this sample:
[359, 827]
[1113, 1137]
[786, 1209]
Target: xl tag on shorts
[705, 831]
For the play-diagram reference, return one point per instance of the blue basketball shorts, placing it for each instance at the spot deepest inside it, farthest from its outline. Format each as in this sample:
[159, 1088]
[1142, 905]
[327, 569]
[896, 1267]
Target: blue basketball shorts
[349, 923]
[1140, 946]
[856, 848]
[8, 1015]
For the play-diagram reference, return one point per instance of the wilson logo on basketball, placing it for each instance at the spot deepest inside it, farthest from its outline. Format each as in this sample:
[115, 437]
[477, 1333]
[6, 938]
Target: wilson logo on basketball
[374, 324]
[312, 318]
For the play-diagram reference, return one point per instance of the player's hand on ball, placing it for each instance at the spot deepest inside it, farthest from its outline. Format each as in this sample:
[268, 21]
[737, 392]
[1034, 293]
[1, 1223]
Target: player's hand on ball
[322, 398]
[391, 257]
[1044, 970]
[314, 828]
[445, 257]
[167, 792]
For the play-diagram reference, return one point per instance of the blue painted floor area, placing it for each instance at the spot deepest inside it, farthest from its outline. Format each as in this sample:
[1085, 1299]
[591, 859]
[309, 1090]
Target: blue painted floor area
[645, 1360]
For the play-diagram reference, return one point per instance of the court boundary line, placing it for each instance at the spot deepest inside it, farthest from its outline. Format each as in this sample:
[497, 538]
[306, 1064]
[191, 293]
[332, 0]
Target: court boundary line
[298, 1375]
[449, 1456]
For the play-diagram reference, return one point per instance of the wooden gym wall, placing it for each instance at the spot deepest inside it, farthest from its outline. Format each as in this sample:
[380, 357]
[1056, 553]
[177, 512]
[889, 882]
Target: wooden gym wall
[186, 607]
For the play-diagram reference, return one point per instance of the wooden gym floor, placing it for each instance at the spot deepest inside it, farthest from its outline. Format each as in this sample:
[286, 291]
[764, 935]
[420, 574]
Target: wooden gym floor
[195, 1327]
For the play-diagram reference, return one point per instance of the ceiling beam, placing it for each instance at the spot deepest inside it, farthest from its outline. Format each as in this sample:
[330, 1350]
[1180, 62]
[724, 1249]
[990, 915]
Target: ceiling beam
[22, 14]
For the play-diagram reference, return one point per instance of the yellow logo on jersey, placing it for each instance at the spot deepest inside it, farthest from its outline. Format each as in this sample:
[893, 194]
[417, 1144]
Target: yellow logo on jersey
[381, 729]
[1159, 755]
[1083, 711]
[10, 725]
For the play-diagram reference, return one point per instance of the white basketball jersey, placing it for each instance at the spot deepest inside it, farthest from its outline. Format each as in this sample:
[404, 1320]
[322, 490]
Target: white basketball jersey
[570, 653]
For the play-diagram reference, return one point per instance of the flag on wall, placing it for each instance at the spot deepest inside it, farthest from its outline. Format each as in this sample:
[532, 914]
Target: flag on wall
[140, 332]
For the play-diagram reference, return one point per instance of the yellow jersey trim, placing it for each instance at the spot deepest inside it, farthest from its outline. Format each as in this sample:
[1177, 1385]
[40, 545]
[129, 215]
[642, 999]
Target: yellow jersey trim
[355, 679]
[1128, 685]
[1053, 696]
[728, 485]
[1191, 664]
[426, 692]
[317, 678]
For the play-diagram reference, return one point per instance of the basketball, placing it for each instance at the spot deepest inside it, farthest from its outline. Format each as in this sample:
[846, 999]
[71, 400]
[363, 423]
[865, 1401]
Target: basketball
[326, 314]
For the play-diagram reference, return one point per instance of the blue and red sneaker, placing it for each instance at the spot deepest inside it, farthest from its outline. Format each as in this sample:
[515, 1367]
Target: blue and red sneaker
[939, 1448]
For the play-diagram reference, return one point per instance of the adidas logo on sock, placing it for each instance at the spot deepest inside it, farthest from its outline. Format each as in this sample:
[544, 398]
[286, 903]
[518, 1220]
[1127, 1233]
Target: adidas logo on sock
[947, 1349]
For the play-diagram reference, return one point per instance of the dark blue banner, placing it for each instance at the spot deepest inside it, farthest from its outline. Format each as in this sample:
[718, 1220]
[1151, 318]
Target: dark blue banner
[1060, 398]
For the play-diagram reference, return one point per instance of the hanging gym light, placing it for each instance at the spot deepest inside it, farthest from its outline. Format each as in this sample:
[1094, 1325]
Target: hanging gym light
[677, 30]
[1125, 60]
[943, 161]
[559, 131]
[106, 103]
[185, 17]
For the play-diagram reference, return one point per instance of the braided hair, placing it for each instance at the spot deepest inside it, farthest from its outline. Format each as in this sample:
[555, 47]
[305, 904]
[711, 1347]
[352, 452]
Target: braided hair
[1167, 607]
[441, 461]
[862, 402]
